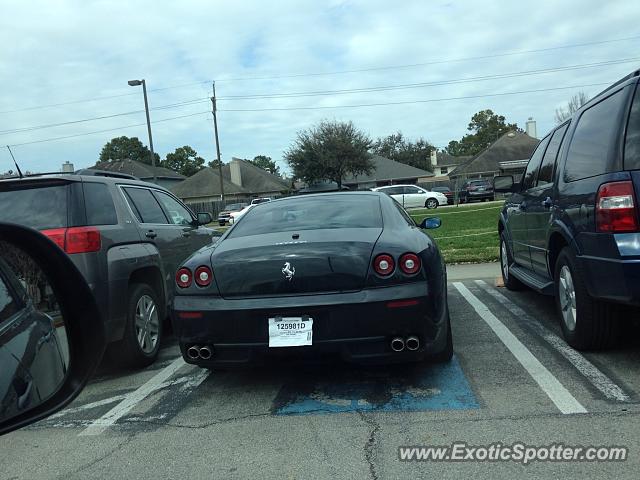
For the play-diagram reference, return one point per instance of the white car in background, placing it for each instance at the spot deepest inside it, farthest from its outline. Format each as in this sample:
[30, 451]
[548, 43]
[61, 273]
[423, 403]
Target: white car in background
[234, 216]
[412, 196]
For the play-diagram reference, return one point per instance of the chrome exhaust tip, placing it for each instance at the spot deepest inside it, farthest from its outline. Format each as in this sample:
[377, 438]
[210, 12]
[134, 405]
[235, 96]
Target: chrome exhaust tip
[397, 344]
[205, 353]
[413, 343]
[193, 353]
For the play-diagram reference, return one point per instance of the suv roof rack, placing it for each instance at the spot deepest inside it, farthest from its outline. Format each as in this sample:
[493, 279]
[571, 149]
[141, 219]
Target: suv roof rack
[104, 173]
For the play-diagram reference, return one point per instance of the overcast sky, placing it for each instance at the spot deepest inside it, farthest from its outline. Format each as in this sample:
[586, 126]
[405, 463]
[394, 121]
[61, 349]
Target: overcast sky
[59, 52]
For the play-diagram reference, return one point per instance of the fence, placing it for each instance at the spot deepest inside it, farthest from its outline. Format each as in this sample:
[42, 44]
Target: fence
[214, 207]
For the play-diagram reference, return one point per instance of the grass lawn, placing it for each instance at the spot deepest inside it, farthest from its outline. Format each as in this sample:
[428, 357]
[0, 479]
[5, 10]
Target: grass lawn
[469, 233]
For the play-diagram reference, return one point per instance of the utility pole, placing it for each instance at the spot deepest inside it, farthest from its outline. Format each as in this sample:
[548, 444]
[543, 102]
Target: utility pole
[215, 131]
[136, 83]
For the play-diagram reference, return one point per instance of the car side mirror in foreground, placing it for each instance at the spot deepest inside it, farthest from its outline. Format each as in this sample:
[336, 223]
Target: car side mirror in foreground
[51, 332]
[204, 218]
[431, 223]
[503, 184]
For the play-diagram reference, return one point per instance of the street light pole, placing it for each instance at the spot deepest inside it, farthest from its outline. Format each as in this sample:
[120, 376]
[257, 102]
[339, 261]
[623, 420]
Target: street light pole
[135, 83]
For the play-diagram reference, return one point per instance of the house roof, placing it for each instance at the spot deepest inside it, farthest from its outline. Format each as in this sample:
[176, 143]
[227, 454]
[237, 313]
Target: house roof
[205, 183]
[387, 169]
[140, 170]
[321, 186]
[446, 160]
[510, 146]
[256, 179]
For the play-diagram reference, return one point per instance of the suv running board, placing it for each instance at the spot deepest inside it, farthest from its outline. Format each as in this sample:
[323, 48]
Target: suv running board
[532, 279]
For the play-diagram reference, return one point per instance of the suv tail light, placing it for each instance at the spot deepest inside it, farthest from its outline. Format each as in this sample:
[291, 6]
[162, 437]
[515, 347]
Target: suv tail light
[409, 263]
[383, 264]
[184, 277]
[203, 276]
[76, 239]
[615, 208]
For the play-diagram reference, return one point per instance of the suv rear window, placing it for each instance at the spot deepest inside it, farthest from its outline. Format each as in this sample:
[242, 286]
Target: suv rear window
[99, 204]
[41, 208]
[632, 142]
[331, 211]
[593, 137]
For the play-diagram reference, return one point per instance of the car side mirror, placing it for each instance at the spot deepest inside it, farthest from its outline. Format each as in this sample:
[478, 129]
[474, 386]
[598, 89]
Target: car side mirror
[430, 223]
[503, 184]
[51, 332]
[204, 218]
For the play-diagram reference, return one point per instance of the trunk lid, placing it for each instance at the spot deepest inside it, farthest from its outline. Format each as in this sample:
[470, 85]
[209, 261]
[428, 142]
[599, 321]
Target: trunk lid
[293, 263]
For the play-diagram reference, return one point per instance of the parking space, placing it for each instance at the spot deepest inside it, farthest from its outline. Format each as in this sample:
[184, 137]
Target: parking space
[512, 378]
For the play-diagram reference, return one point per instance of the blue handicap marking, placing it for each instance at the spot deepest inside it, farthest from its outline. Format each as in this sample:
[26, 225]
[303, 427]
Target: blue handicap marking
[427, 387]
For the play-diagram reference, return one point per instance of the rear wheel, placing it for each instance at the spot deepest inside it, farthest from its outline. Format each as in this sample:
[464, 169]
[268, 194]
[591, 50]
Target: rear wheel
[509, 280]
[431, 203]
[586, 323]
[141, 342]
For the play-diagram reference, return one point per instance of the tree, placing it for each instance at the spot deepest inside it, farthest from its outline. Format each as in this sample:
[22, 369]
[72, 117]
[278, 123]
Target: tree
[127, 148]
[214, 163]
[397, 148]
[487, 127]
[184, 160]
[574, 103]
[330, 151]
[266, 163]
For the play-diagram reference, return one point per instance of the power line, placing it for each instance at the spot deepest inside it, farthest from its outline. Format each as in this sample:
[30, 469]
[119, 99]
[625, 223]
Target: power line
[434, 83]
[106, 130]
[333, 92]
[410, 102]
[312, 108]
[434, 62]
[340, 72]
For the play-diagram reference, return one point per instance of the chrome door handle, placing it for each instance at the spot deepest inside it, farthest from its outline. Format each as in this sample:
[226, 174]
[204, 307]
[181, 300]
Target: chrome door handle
[547, 202]
[151, 234]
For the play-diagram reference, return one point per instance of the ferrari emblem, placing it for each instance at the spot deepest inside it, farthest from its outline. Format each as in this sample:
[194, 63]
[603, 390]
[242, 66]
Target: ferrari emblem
[288, 271]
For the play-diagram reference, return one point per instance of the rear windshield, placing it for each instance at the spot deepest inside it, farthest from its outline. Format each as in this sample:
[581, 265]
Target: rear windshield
[37, 207]
[632, 143]
[311, 213]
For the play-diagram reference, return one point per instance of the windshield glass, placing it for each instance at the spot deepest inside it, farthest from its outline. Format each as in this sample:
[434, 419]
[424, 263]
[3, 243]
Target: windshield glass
[41, 208]
[311, 213]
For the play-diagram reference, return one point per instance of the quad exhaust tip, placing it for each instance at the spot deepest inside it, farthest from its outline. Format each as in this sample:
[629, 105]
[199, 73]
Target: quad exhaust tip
[397, 344]
[204, 352]
[412, 343]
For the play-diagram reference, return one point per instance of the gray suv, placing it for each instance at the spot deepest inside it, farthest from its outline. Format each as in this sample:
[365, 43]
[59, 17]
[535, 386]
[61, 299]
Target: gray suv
[126, 236]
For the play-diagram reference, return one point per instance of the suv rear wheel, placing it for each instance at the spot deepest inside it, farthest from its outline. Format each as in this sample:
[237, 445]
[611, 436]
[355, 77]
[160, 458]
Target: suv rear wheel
[586, 323]
[143, 332]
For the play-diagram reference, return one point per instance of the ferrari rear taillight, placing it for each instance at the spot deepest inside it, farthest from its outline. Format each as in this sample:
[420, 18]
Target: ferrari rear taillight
[409, 263]
[184, 277]
[615, 208]
[203, 276]
[383, 264]
[76, 239]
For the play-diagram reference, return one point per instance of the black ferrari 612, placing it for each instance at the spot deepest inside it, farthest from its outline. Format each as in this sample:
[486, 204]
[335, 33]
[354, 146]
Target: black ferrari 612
[340, 274]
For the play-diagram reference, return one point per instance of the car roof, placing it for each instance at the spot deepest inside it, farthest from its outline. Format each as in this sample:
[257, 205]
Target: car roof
[72, 177]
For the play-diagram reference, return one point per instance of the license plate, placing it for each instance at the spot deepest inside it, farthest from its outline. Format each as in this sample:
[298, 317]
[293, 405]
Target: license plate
[290, 331]
[481, 189]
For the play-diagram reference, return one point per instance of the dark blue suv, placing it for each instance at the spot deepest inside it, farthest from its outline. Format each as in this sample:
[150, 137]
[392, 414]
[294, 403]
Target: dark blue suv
[570, 227]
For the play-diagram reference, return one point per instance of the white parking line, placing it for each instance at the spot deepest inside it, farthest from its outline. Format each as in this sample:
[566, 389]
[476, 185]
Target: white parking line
[598, 379]
[133, 398]
[549, 384]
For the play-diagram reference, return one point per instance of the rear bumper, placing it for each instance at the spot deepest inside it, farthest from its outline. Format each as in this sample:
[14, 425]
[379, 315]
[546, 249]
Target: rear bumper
[612, 280]
[356, 327]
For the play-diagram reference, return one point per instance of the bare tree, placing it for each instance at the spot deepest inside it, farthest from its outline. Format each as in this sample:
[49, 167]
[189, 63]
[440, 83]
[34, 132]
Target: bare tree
[573, 105]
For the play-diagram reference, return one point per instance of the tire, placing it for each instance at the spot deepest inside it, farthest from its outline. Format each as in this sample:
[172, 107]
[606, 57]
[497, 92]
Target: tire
[431, 203]
[129, 352]
[587, 324]
[506, 260]
[446, 354]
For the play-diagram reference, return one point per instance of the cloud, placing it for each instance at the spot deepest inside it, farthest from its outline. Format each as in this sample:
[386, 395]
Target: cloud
[55, 52]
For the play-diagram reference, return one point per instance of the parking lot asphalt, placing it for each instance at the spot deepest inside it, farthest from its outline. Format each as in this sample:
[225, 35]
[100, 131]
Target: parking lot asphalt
[512, 379]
